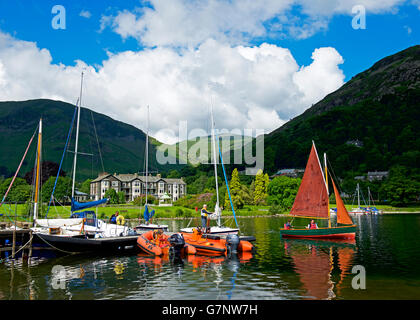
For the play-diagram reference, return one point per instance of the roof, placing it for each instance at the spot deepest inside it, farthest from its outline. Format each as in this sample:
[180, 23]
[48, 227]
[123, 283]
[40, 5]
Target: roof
[128, 177]
[80, 193]
[377, 173]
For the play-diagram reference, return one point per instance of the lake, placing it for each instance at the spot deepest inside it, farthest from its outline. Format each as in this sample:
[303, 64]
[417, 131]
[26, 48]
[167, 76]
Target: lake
[387, 247]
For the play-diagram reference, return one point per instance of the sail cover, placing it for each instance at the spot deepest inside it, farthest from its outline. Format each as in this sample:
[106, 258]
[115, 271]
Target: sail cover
[312, 197]
[146, 214]
[75, 206]
[342, 214]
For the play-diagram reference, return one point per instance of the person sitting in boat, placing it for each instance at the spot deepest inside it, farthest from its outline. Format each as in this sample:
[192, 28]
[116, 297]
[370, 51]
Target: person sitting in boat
[158, 237]
[204, 214]
[119, 219]
[288, 225]
[113, 218]
[312, 225]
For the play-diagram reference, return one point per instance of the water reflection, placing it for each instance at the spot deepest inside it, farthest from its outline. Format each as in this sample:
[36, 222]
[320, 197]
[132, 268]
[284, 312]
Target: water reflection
[387, 246]
[314, 263]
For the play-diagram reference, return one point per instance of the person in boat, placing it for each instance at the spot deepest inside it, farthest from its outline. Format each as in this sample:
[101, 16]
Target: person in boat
[204, 216]
[113, 218]
[312, 225]
[288, 225]
[158, 238]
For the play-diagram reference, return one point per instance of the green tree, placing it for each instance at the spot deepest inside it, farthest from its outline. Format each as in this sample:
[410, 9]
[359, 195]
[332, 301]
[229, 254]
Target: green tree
[236, 192]
[85, 186]
[173, 174]
[282, 191]
[62, 190]
[121, 197]
[402, 187]
[112, 195]
[261, 188]
[20, 191]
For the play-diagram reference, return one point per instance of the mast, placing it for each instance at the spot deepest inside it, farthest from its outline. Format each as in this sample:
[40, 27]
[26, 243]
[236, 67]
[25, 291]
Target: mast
[358, 196]
[38, 165]
[77, 138]
[326, 184]
[215, 165]
[147, 151]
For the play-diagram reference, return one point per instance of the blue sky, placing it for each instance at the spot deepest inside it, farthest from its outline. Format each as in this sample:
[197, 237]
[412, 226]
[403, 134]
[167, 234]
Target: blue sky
[303, 50]
[31, 20]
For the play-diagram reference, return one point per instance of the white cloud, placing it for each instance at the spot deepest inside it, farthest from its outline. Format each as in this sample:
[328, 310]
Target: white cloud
[190, 23]
[259, 87]
[85, 14]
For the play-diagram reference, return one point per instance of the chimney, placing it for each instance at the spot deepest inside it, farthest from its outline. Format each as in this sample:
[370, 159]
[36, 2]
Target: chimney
[158, 175]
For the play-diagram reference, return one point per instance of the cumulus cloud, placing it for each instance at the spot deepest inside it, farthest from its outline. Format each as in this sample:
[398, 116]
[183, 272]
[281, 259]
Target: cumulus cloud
[257, 87]
[190, 23]
[85, 14]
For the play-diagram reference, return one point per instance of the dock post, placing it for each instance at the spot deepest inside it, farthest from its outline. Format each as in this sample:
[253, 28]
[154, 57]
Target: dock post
[30, 245]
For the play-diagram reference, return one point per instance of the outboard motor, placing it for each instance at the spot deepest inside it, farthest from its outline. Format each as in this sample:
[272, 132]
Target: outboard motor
[232, 242]
[177, 243]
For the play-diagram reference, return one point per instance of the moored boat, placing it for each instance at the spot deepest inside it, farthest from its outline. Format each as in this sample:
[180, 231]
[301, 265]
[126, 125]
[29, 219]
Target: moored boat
[312, 201]
[215, 244]
[155, 242]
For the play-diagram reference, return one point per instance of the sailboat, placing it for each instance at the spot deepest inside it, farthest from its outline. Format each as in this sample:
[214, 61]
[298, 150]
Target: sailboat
[312, 201]
[79, 232]
[358, 210]
[219, 228]
[146, 214]
[371, 209]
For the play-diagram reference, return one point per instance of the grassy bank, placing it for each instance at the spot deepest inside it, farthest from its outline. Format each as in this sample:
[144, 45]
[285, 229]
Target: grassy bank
[134, 212]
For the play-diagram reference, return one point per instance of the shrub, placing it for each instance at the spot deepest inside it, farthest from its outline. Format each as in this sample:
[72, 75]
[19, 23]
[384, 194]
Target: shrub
[179, 212]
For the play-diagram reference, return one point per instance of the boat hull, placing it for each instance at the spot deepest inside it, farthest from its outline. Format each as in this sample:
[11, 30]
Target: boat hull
[214, 245]
[146, 243]
[342, 232]
[81, 244]
[148, 227]
[214, 230]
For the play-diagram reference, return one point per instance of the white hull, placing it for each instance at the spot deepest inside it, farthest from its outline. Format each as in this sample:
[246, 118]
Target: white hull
[151, 226]
[214, 230]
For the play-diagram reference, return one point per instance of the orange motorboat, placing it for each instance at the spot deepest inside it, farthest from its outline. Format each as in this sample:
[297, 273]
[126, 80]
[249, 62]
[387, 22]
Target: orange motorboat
[156, 243]
[215, 245]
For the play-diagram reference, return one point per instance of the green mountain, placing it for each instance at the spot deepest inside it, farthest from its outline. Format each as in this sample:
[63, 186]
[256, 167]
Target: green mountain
[228, 143]
[371, 123]
[122, 146]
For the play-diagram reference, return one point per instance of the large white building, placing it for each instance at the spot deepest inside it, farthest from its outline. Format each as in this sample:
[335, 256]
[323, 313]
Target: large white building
[134, 185]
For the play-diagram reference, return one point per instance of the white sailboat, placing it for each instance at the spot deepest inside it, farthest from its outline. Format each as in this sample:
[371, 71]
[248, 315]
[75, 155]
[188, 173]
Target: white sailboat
[147, 216]
[219, 228]
[358, 210]
[78, 223]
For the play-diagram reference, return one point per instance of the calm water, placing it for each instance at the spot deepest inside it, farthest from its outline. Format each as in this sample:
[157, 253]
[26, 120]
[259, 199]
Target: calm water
[387, 246]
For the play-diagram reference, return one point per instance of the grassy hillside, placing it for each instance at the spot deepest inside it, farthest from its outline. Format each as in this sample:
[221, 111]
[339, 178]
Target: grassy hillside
[379, 107]
[122, 146]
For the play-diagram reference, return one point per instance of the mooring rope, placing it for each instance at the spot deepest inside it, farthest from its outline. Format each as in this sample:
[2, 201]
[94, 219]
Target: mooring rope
[56, 247]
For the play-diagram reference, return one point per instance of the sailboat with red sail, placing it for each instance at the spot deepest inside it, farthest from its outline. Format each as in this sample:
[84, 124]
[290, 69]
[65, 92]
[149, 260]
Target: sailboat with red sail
[312, 201]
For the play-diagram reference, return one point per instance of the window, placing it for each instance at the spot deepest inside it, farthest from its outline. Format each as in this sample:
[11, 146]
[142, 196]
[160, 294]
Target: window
[115, 183]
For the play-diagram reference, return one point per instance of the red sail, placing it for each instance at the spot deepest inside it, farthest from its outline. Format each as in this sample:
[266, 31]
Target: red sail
[312, 198]
[342, 214]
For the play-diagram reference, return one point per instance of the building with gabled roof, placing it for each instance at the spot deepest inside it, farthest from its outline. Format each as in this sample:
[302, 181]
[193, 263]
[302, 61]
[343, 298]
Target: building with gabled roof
[134, 185]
